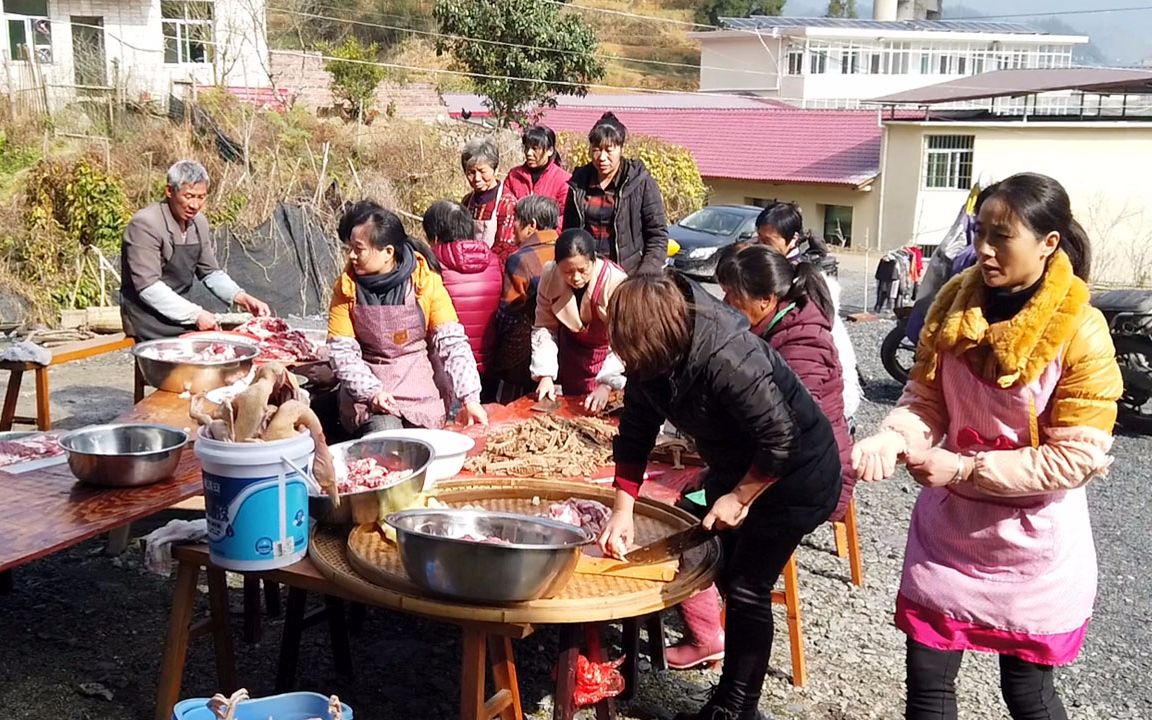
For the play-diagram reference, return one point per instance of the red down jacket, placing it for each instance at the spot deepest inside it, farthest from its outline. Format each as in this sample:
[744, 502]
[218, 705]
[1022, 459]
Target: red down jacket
[553, 183]
[803, 338]
[474, 279]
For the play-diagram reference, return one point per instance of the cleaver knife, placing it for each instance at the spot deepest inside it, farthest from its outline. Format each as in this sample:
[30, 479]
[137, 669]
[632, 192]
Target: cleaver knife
[670, 547]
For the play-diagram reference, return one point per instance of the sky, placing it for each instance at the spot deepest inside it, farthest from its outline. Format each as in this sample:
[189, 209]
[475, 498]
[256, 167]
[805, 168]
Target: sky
[1123, 38]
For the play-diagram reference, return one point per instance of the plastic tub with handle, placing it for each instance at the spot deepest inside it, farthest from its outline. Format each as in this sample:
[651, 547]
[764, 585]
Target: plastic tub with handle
[288, 706]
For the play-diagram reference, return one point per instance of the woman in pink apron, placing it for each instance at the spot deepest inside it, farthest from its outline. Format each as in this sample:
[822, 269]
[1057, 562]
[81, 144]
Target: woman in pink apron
[570, 337]
[1006, 417]
[492, 208]
[389, 321]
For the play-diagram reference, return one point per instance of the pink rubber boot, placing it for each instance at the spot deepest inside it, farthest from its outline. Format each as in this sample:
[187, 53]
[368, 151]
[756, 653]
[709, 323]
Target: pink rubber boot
[703, 643]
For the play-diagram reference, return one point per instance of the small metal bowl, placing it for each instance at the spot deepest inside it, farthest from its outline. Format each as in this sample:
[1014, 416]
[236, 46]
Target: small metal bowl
[370, 506]
[536, 562]
[192, 377]
[124, 455]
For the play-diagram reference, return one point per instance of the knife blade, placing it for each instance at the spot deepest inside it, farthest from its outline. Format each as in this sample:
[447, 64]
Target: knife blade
[669, 547]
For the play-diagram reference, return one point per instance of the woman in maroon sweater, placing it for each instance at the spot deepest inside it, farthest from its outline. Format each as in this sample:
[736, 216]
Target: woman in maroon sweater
[791, 308]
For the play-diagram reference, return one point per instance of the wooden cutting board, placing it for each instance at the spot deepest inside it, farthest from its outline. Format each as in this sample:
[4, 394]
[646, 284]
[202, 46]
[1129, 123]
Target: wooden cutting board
[661, 571]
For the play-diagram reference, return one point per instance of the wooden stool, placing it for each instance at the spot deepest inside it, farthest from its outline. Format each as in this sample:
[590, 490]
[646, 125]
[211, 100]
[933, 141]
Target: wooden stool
[848, 543]
[564, 702]
[60, 355]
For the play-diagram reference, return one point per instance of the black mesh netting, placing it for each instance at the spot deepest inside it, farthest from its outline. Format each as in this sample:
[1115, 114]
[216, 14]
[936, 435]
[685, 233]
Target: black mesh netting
[287, 262]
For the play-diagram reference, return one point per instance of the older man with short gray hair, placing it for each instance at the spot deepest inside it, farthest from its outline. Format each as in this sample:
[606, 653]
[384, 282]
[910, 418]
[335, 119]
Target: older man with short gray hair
[166, 247]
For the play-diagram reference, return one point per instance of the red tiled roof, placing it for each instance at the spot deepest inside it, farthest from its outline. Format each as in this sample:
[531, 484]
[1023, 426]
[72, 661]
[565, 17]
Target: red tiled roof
[836, 147]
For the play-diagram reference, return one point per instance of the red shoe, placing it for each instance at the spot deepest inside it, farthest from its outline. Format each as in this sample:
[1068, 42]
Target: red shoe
[704, 637]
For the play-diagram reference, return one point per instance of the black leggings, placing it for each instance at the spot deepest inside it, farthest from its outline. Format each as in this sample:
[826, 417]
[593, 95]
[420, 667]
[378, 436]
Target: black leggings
[1027, 687]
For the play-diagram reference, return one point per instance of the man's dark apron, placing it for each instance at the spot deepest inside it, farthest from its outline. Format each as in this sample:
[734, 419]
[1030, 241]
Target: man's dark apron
[140, 320]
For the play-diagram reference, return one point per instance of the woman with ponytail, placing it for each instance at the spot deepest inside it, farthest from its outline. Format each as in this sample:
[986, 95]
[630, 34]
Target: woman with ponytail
[789, 306]
[1007, 415]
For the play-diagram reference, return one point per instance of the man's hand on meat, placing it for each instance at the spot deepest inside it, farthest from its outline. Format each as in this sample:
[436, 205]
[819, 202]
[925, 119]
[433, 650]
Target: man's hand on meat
[206, 321]
[257, 307]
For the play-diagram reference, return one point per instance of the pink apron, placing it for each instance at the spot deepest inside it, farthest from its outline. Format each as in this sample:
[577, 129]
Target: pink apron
[1015, 576]
[393, 339]
[582, 354]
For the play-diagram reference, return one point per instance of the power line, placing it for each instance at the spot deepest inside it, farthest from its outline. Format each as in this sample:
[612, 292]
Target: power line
[1095, 11]
[622, 13]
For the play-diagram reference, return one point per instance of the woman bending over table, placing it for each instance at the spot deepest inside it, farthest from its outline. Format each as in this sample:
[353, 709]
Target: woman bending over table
[570, 339]
[390, 317]
[691, 360]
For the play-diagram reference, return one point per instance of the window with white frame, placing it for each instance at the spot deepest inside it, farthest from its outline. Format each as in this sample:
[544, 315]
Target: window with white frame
[29, 31]
[818, 58]
[795, 61]
[948, 162]
[187, 26]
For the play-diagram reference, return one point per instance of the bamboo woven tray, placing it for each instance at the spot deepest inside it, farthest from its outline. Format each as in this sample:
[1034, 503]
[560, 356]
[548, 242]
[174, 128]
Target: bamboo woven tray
[364, 563]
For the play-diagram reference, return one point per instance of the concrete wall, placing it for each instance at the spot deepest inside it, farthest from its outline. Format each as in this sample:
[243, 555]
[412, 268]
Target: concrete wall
[812, 200]
[134, 49]
[1103, 166]
[742, 63]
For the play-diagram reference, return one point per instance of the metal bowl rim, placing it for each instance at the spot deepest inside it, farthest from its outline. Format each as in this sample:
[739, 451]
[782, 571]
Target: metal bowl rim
[547, 522]
[245, 351]
[416, 472]
[64, 439]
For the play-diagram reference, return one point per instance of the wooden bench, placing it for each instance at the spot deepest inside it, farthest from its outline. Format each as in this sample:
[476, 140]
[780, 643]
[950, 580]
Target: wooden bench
[60, 355]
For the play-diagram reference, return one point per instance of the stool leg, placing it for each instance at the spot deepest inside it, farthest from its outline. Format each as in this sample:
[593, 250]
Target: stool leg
[252, 628]
[338, 630]
[221, 629]
[631, 667]
[840, 530]
[654, 624]
[271, 598]
[472, 675]
[43, 400]
[795, 630]
[564, 705]
[290, 639]
[139, 385]
[855, 561]
[176, 648]
[594, 637]
[504, 674]
[118, 540]
[11, 397]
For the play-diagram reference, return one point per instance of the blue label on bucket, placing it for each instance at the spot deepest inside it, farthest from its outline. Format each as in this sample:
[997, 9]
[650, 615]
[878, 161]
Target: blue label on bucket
[247, 522]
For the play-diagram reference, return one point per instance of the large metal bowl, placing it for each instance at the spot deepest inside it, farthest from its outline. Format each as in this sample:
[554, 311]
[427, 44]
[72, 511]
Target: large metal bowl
[536, 562]
[194, 377]
[370, 506]
[124, 455]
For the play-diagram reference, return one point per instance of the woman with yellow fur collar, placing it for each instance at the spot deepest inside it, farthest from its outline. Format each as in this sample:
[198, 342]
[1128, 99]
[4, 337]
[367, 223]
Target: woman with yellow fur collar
[1007, 415]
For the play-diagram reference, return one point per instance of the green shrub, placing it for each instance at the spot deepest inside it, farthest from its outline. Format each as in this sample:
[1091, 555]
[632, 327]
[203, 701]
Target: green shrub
[354, 76]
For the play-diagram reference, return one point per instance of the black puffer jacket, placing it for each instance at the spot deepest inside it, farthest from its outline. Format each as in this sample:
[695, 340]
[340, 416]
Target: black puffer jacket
[641, 228]
[737, 398]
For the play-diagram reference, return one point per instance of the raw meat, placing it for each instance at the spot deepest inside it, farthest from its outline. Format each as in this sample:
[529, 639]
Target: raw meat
[33, 447]
[591, 515]
[368, 474]
[484, 539]
[278, 341]
[213, 353]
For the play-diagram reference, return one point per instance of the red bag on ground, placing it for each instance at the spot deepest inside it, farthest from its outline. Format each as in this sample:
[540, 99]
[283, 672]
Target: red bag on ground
[596, 681]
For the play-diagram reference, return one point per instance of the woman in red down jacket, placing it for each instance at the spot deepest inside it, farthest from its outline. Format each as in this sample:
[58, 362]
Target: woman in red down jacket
[541, 173]
[471, 272]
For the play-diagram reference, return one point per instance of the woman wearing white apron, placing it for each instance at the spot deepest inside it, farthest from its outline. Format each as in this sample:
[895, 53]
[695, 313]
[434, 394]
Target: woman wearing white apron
[493, 210]
[1006, 417]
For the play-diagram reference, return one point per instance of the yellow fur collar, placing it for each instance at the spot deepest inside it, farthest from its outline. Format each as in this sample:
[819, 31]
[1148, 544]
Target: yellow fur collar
[1022, 346]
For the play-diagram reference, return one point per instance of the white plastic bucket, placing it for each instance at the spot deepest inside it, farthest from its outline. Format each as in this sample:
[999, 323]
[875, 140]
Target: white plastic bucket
[256, 504]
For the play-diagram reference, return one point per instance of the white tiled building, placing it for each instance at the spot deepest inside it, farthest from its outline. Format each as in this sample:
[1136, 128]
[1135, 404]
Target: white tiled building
[834, 62]
[141, 46]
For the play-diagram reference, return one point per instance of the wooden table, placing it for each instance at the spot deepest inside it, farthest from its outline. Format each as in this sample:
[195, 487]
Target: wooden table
[45, 511]
[60, 355]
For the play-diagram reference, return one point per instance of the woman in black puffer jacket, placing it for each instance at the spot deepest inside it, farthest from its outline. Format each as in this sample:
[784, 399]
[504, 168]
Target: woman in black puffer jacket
[617, 200]
[690, 359]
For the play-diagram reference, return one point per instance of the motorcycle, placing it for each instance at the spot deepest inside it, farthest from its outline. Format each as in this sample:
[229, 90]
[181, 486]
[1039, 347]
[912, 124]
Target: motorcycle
[1129, 317]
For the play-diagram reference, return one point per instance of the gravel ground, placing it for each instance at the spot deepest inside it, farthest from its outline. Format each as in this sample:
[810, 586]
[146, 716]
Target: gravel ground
[80, 617]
